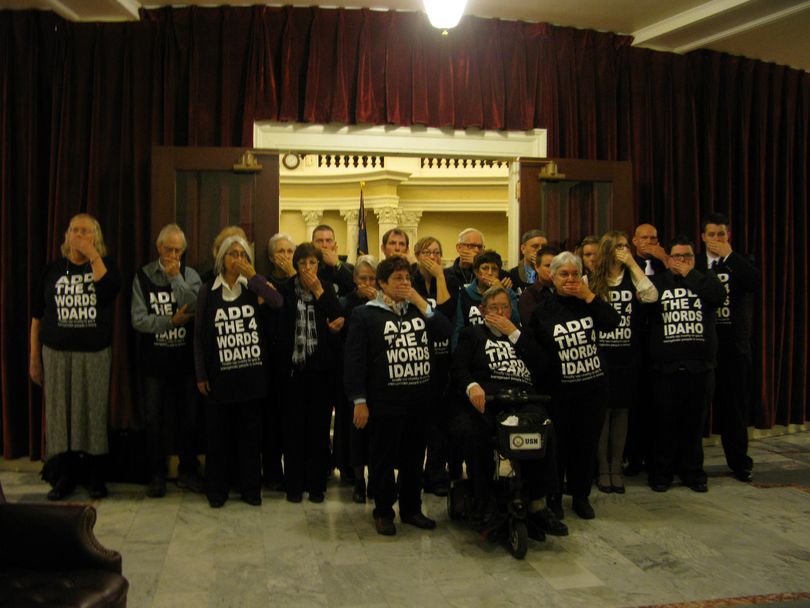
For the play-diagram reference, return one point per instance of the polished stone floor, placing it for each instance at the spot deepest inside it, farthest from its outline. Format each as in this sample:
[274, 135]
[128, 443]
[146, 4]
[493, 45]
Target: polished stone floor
[739, 540]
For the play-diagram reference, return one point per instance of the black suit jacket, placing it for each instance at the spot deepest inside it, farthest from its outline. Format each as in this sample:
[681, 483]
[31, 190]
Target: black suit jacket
[742, 279]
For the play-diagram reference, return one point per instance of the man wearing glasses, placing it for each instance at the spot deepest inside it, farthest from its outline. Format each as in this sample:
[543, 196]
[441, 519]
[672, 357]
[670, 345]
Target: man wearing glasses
[683, 347]
[470, 244]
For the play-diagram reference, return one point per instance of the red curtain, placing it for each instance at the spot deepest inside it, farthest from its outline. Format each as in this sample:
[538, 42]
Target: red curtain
[81, 105]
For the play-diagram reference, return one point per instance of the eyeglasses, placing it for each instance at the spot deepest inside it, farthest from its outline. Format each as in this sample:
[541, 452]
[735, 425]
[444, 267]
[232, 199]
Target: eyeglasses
[366, 278]
[431, 252]
[564, 274]
[682, 256]
[237, 254]
[476, 246]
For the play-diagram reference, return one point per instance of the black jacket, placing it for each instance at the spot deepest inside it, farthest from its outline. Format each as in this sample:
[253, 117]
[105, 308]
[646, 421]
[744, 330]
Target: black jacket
[741, 279]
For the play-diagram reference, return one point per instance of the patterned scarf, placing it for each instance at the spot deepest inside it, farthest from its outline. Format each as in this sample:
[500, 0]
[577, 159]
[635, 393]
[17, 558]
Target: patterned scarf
[306, 331]
[398, 307]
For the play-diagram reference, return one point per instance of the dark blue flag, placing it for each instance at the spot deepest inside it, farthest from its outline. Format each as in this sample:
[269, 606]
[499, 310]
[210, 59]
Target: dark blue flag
[362, 235]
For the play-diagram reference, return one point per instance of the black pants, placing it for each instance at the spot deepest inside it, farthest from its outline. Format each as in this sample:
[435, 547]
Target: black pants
[307, 417]
[578, 420]
[170, 410]
[222, 420]
[732, 402]
[680, 401]
[397, 438]
[474, 433]
[273, 433]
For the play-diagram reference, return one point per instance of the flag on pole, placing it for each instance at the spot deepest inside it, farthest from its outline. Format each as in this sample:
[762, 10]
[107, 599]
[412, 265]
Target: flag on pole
[362, 235]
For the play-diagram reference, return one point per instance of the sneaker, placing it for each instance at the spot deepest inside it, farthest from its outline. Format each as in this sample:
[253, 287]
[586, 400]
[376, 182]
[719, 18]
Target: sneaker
[191, 482]
[547, 521]
[157, 487]
[418, 519]
[582, 507]
[385, 526]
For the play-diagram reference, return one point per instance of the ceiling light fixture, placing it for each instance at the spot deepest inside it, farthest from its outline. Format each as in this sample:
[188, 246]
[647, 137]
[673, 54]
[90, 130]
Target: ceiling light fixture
[444, 14]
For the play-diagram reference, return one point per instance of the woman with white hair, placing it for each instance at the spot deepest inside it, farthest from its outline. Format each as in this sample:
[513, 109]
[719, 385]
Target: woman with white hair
[566, 325]
[230, 361]
[71, 337]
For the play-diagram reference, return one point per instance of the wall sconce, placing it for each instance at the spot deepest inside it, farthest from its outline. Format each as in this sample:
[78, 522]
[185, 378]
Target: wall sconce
[444, 14]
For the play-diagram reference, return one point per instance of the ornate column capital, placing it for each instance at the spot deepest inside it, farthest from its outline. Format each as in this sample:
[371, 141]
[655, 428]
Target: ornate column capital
[387, 215]
[350, 215]
[409, 218]
[312, 218]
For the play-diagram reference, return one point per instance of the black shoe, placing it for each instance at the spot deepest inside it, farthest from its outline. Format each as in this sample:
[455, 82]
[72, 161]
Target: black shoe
[61, 489]
[316, 497]
[157, 487]
[554, 502]
[191, 482]
[418, 519]
[385, 526]
[582, 507]
[659, 487]
[274, 485]
[742, 475]
[632, 469]
[438, 488]
[359, 494]
[254, 500]
[605, 489]
[216, 502]
[698, 486]
[534, 530]
[617, 489]
[548, 522]
[98, 490]
[292, 497]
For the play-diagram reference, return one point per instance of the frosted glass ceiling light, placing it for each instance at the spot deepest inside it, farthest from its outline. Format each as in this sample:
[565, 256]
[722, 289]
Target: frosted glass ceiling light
[444, 14]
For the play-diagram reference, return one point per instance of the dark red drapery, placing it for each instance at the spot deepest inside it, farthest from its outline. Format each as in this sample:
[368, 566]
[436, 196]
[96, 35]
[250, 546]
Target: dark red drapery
[81, 104]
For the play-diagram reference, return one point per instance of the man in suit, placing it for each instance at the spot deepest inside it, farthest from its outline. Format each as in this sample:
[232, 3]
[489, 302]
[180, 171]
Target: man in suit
[652, 258]
[732, 390]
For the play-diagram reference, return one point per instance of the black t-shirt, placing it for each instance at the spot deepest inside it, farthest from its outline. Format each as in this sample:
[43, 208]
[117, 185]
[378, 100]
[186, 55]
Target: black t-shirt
[76, 312]
[621, 345]
[234, 346]
[682, 331]
[566, 328]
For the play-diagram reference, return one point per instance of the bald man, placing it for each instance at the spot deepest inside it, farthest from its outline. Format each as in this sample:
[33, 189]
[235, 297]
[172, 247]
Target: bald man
[652, 258]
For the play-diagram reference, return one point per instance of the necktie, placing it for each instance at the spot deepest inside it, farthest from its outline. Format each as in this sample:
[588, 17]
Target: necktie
[648, 269]
[714, 265]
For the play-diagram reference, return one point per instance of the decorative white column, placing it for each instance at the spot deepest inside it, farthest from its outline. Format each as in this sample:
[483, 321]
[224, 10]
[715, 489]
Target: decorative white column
[409, 222]
[312, 219]
[352, 231]
[387, 218]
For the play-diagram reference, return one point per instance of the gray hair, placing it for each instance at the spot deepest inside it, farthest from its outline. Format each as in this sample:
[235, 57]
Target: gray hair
[531, 234]
[564, 259]
[467, 231]
[170, 229]
[278, 236]
[365, 260]
[219, 264]
[492, 292]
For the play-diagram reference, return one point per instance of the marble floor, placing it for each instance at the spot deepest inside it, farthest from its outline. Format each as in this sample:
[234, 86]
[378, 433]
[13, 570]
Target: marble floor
[750, 542]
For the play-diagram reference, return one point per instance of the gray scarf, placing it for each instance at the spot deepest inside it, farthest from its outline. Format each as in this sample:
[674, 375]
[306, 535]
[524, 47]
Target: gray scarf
[306, 331]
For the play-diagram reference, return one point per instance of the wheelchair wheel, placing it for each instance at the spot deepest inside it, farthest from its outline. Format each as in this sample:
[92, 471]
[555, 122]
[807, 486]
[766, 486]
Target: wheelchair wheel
[518, 538]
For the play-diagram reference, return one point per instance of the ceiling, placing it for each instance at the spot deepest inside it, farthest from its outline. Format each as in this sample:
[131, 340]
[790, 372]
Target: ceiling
[770, 30]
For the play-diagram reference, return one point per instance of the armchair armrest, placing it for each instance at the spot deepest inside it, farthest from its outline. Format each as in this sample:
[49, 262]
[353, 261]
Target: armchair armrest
[53, 537]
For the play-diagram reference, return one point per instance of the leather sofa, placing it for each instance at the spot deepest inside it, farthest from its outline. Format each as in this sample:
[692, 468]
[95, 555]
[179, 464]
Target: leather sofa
[49, 556]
